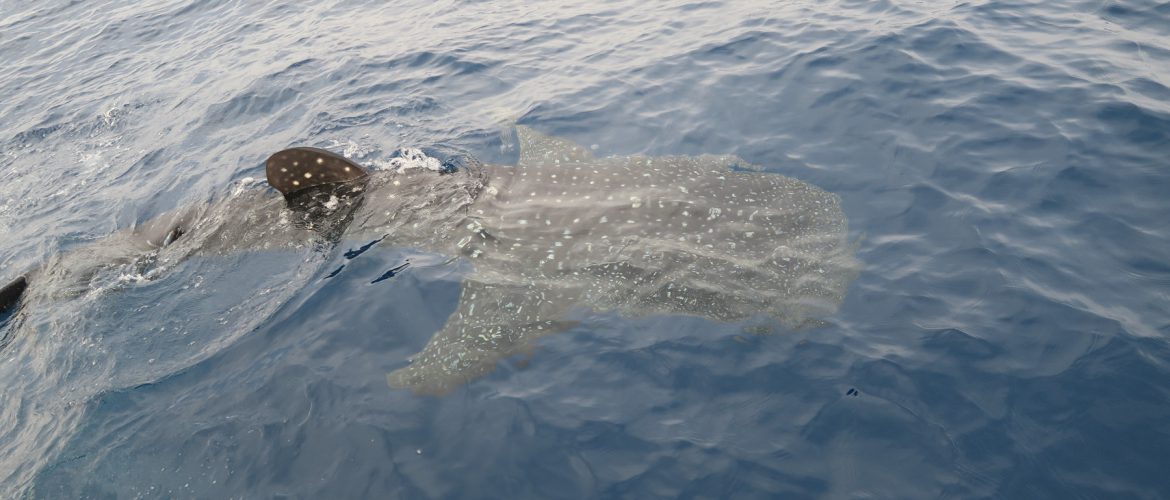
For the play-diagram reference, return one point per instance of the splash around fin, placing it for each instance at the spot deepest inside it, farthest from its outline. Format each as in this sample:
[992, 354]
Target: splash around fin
[296, 169]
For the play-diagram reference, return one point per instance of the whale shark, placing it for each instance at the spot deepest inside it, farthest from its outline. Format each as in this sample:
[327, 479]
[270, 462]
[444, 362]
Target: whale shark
[558, 237]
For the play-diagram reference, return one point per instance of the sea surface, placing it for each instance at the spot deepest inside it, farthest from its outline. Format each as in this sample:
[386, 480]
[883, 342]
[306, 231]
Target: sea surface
[1004, 166]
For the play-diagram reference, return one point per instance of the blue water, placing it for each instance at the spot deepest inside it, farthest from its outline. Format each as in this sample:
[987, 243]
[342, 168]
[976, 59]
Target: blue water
[1005, 167]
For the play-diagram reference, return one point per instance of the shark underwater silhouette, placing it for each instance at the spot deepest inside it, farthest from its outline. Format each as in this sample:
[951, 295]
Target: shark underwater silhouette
[559, 233]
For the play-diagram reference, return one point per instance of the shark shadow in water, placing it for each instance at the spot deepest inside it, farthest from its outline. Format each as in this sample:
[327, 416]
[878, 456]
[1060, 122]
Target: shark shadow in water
[559, 233]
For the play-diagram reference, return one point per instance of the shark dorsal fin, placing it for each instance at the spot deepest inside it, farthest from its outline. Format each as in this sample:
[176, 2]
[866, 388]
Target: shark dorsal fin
[539, 149]
[294, 169]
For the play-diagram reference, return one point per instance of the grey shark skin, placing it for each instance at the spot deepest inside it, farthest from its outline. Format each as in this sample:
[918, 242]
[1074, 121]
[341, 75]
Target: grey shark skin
[560, 233]
[564, 231]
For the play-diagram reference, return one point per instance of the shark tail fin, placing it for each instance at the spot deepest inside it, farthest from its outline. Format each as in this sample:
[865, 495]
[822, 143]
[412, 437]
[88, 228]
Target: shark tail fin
[295, 169]
[11, 293]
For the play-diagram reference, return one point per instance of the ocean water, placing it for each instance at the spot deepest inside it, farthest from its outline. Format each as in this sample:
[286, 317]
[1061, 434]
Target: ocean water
[1004, 165]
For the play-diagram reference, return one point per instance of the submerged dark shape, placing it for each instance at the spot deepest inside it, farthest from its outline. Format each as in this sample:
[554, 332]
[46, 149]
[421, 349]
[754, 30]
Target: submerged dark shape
[321, 191]
[559, 234]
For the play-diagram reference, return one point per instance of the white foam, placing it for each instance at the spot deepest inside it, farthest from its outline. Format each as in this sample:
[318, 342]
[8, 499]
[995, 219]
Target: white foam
[332, 203]
[349, 149]
[242, 185]
[411, 158]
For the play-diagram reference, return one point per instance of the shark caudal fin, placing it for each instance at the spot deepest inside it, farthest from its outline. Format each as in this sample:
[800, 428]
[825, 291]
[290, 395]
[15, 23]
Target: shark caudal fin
[296, 169]
[11, 293]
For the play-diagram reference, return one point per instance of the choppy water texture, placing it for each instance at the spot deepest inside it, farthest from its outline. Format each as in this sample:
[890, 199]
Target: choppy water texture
[1003, 167]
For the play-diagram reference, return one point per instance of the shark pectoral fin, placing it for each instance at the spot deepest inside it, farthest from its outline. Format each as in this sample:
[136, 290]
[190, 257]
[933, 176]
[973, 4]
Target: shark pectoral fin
[493, 322]
[295, 169]
[442, 367]
[539, 149]
[451, 360]
[11, 293]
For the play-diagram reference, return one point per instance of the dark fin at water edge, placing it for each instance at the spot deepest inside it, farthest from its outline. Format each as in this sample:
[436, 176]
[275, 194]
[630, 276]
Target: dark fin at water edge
[10, 295]
[296, 169]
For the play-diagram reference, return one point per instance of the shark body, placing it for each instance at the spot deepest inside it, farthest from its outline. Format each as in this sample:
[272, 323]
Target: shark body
[563, 231]
[560, 232]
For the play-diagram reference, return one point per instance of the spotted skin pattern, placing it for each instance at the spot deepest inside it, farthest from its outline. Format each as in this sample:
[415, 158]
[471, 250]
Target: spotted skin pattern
[564, 232]
[295, 169]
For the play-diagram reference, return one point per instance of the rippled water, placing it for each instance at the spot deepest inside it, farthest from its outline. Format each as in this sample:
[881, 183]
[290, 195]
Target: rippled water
[1003, 166]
